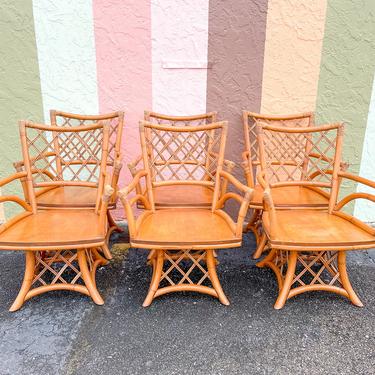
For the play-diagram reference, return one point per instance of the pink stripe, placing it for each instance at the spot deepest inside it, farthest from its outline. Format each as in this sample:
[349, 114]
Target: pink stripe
[123, 54]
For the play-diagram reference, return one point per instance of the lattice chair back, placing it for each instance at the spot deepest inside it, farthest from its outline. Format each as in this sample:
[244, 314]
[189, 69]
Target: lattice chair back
[189, 155]
[56, 156]
[308, 156]
[250, 121]
[115, 121]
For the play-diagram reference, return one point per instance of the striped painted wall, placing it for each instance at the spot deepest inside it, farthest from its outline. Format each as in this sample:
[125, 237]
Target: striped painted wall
[190, 56]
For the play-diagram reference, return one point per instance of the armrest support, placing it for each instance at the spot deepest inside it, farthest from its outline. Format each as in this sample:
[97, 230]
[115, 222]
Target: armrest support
[133, 165]
[353, 196]
[229, 165]
[117, 165]
[106, 197]
[242, 200]
[267, 199]
[128, 202]
[14, 198]
[246, 166]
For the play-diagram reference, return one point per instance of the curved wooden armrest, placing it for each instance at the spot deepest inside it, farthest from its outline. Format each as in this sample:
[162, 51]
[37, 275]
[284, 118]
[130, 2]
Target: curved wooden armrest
[12, 177]
[361, 180]
[128, 203]
[246, 165]
[236, 183]
[124, 192]
[117, 166]
[262, 180]
[107, 194]
[245, 156]
[242, 200]
[14, 198]
[229, 165]
[133, 165]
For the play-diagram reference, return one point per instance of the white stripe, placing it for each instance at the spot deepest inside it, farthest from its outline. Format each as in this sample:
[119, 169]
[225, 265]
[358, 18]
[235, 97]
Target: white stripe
[365, 210]
[66, 52]
[180, 42]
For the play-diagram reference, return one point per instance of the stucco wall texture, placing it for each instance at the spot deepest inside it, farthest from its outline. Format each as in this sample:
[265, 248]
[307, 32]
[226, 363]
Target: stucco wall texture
[188, 56]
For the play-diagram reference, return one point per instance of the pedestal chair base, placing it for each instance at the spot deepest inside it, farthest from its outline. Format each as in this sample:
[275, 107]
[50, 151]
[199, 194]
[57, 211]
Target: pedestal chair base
[60, 270]
[304, 271]
[184, 270]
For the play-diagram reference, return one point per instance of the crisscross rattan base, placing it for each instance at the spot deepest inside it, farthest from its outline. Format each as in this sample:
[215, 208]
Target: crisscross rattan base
[60, 270]
[303, 271]
[184, 270]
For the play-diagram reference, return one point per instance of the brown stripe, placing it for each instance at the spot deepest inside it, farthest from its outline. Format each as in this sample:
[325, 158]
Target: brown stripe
[236, 38]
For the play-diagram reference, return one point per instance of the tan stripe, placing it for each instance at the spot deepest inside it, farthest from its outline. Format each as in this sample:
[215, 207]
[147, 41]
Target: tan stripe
[236, 35]
[294, 39]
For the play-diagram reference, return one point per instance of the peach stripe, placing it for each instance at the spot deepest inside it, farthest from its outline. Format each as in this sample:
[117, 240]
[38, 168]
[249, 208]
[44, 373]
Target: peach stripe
[123, 54]
[294, 39]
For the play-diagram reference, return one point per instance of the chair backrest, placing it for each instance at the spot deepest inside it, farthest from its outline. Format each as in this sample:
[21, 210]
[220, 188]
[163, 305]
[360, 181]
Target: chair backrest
[250, 121]
[57, 156]
[304, 156]
[190, 155]
[195, 120]
[115, 121]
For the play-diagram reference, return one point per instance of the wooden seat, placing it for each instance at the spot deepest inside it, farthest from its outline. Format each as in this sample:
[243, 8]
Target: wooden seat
[291, 197]
[62, 246]
[187, 195]
[48, 229]
[184, 160]
[312, 228]
[184, 227]
[308, 247]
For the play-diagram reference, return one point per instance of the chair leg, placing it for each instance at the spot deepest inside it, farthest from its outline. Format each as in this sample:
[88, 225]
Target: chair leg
[255, 225]
[288, 281]
[106, 251]
[88, 277]
[211, 266]
[261, 245]
[27, 281]
[112, 223]
[345, 279]
[156, 276]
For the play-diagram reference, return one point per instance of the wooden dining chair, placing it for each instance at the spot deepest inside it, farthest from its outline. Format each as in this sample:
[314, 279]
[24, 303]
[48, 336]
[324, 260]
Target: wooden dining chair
[308, 246]
[285, 197]
[182, 195]
[182, 240]
[61, 245]
[85, 196]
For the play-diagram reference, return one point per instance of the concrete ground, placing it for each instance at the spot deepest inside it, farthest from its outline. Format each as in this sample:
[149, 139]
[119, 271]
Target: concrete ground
[65, 333]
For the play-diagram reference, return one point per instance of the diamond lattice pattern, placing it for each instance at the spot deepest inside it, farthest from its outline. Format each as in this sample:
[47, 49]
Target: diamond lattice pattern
[183, 155]
[252, 124]
[68, 156]
[113, 123]
[299, 156]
